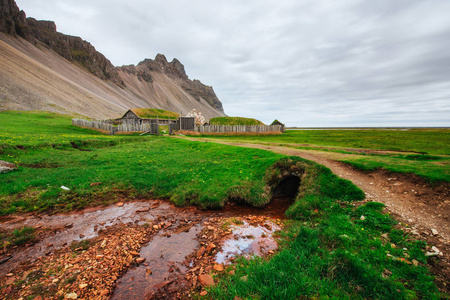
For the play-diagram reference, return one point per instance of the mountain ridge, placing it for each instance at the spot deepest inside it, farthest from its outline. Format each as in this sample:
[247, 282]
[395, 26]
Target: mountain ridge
[151, 83]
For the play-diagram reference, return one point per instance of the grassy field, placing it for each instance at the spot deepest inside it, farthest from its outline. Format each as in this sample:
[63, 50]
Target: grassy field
[234, 121]
[424, 152]
[328, 250]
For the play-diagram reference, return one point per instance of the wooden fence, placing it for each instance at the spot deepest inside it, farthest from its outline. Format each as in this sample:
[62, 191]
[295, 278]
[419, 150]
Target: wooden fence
[239, 128]
[106, 126]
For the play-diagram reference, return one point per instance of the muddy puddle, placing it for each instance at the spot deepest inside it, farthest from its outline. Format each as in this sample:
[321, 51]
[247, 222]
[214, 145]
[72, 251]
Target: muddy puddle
[80, 226]
[171, 252]
[166, 259]
[248, 240]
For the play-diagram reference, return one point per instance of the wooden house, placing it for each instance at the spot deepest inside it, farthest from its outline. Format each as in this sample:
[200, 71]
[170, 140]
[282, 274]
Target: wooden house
[141, 116]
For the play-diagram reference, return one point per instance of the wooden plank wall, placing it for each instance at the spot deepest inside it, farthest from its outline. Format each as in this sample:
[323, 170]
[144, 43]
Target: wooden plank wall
[239, 128]
[104, 125]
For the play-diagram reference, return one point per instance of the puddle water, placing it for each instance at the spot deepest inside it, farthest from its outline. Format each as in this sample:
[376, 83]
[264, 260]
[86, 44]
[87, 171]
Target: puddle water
[84, 225]
[166, 259]
[248, 240]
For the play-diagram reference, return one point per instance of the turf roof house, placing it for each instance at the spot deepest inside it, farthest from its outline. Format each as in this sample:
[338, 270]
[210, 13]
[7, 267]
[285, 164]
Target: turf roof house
[142, 116]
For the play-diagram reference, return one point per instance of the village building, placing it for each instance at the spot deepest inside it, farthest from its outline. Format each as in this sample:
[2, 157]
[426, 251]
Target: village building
[143, 116]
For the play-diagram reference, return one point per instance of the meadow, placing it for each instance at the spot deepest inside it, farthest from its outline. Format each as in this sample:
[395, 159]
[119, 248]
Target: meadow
[328, 250]
[424, 152]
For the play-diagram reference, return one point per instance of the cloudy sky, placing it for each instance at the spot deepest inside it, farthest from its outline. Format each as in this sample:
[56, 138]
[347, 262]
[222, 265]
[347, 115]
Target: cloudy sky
[305, 62]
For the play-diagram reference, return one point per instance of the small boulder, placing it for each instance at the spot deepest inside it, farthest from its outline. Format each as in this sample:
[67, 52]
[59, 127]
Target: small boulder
[6, 167]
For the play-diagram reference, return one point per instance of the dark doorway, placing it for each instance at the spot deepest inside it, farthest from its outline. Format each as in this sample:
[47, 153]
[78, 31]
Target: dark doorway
[288, 187]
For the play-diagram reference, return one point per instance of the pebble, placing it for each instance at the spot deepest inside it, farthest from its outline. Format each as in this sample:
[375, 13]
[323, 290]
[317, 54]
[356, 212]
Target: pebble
[140, 260]
[206, 280]
[71, 296]
[218, 268]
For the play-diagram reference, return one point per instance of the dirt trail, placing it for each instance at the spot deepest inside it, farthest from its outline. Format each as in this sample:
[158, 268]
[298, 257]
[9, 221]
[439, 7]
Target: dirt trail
[416, 203]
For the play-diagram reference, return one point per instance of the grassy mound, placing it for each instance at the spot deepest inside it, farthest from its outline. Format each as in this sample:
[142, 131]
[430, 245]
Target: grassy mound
[152, 113]
[332, 249]
[234, 121]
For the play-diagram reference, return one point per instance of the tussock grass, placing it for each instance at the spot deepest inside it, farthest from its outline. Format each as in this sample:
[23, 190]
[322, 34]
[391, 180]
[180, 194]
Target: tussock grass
[234, 121]
[151, 113]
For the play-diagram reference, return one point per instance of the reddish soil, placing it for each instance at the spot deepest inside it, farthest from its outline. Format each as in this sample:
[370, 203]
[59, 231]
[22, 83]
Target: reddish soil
[138, 250]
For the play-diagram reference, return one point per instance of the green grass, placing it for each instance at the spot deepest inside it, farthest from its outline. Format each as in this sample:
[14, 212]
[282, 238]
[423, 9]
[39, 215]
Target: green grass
[206, 174]
[234, 121]
[330, 252]
[431, 162]
[17, 237]
[150, 113]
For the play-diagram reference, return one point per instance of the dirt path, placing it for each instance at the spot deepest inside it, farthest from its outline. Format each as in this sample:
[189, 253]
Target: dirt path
[422, 210]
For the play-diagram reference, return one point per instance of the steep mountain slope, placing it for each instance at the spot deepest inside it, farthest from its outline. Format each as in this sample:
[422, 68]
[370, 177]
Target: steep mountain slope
[42, 69]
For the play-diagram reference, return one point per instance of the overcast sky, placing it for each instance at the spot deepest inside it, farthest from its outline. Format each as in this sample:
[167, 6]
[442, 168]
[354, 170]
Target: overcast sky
[305, 62]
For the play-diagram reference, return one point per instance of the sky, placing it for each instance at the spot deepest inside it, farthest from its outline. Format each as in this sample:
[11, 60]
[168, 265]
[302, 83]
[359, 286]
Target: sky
[307, 63]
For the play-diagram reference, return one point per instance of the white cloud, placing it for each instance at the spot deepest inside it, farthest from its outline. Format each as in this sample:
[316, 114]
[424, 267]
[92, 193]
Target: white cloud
[307, 63]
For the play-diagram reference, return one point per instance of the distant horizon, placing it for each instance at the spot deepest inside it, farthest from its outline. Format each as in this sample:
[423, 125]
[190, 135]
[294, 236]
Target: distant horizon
[310, 63]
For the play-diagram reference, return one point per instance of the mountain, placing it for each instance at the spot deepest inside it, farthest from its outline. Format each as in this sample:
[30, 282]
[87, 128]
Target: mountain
[42, 69]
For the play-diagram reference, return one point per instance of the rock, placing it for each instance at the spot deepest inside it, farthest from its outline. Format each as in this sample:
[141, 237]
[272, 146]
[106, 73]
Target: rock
[218, 268]
[145, 209]
[6, 167]
[210, 248]
[201, 251]
[140, 260]
[434, 232]
[71, 296]
[119, 204]
[206, 280]
[362, 218]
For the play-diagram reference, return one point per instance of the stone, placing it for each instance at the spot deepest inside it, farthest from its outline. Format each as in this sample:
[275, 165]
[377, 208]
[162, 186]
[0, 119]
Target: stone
[362, 218]
[206, 280]
[210, 248]
[6, 167]
[140, 260]
[434, 232]
[71, 296]
[201, 251]
[144, 209]
[218, 268]
[119, 204]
